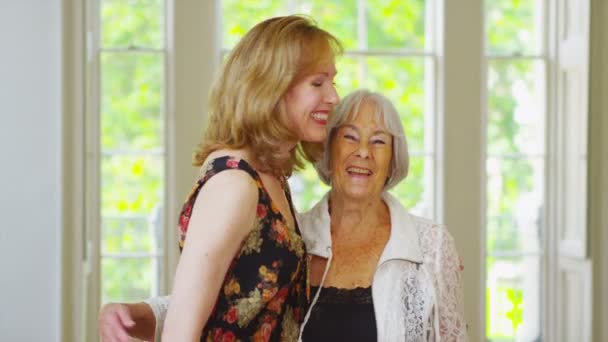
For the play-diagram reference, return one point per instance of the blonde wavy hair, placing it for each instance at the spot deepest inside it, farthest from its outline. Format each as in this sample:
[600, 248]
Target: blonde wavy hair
[247, 101]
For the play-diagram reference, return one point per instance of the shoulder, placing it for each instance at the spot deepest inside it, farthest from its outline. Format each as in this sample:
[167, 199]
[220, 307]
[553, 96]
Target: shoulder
[228, 169]
[434, 237]
[427, 227]
[429, 231]
[318, 213]
[227, 182]
[314, 226]
[233, 185]
[226, 202]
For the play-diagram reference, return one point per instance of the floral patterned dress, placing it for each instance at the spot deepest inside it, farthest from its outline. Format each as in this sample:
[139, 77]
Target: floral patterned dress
[264, 296]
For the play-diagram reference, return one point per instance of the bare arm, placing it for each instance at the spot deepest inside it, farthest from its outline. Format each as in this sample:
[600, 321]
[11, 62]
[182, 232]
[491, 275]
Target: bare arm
[223, 215]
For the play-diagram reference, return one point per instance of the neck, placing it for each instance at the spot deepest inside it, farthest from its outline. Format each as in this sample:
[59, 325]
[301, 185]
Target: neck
[250, 156]
[349, 215]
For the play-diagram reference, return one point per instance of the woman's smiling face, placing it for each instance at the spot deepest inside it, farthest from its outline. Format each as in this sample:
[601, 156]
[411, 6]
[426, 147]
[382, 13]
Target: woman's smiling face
[361, 153]
[309, 103]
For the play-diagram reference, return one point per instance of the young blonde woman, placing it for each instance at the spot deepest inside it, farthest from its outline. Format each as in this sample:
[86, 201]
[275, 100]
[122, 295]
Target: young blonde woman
[242, 274]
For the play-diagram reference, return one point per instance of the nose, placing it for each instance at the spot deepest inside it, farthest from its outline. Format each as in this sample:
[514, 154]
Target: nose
[363, 150]
[332, 96]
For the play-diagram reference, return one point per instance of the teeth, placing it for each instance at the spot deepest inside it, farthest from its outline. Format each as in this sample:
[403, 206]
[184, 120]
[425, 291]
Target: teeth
[320, 116]
[359, 170]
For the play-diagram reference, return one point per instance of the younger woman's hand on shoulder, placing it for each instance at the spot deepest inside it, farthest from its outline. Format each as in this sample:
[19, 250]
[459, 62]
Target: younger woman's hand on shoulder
[223, 215]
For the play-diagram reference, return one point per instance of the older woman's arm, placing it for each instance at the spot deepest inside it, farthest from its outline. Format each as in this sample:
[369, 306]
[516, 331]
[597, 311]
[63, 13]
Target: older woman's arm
[159, 306]
[452, 325]
[120, 322]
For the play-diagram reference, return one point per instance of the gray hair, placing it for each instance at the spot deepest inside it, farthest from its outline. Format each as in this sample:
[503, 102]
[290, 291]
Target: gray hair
[346, 111]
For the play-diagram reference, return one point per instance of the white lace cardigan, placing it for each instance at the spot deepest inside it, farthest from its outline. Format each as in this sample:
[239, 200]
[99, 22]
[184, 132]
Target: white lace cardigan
[417, 287]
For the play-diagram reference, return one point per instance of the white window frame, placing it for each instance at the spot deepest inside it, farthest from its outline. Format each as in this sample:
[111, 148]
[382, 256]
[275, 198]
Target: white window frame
[543, 24]
[93, 229]
[90, 233]
[191, 62]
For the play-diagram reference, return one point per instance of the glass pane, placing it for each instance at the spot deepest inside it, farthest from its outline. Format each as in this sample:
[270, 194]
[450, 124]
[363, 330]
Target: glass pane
[516, 112]
[131, 184]
[416, 192]
[515, 204]
[513, 301]
[349, 74]
[133, 23]
[136, 233]
[240, 16]
[306, 188]
[132, 100]
[402, 81]
[514, 26]
[128, 279]
[396, 24]
[339, 17]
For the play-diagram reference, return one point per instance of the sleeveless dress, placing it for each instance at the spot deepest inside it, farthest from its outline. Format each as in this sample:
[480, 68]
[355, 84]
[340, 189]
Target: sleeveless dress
[264, 295]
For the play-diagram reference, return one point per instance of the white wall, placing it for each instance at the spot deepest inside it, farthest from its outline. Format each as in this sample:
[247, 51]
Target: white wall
[30, 171]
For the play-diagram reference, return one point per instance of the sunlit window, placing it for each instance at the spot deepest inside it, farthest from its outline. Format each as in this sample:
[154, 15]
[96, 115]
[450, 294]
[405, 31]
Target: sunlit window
[515, 166]
[387, 50]
[130, 54]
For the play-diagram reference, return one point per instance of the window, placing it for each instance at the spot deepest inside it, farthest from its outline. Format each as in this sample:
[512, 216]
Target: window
[515, 168]
[126, 146]
[388, 49]
[532, 133]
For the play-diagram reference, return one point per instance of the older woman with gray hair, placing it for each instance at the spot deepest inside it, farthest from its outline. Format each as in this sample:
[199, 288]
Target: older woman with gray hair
[377, 272]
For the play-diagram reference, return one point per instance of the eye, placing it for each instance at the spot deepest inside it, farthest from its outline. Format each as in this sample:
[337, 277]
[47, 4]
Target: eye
[378, 142]
[349, 136]
[317, 84]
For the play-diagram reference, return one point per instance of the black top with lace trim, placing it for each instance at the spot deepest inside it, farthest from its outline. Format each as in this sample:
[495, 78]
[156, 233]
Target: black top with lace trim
[341, 315]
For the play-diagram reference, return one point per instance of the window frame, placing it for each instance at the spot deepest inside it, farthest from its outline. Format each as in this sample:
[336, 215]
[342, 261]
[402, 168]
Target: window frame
[89, 246]
[542, 55]
[460, 192]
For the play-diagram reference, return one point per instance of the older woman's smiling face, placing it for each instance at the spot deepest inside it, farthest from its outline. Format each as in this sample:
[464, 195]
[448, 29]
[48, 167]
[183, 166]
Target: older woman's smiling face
[361, 153]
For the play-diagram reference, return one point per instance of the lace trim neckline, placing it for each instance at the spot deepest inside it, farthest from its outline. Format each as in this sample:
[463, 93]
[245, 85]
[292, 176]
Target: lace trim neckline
[336, 295]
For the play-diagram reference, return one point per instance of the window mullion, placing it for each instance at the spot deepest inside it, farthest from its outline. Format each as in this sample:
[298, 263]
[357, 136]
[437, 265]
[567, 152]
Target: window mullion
[362, 36]
[92, 169]
[131, 255]
[133, 49]
[515, 57]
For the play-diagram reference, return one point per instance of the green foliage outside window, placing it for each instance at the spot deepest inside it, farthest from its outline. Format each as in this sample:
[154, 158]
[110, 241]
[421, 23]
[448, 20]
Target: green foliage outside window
[132, 145]
[515, 167]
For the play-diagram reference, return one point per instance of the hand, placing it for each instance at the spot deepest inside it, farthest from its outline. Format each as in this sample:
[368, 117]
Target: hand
[115, 321]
